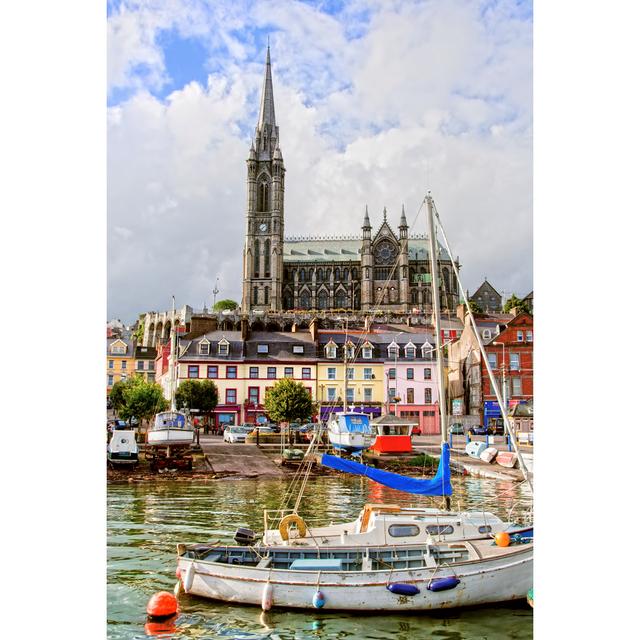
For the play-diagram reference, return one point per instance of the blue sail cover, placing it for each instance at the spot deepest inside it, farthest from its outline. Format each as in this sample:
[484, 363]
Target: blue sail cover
[439, 485]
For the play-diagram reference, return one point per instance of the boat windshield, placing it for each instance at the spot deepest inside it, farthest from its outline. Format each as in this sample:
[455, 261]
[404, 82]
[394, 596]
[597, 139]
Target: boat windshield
[355, 422]
[170, 419]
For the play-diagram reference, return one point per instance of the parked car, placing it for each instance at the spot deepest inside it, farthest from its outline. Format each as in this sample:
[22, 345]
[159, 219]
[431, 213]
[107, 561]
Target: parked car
[234, 434]
[479, 430]
[496, 430]
[456, 429]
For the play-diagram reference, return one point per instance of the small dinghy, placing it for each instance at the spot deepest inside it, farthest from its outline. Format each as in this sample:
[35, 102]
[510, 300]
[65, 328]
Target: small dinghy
[507, 459]
[489, 454]
[475, 448]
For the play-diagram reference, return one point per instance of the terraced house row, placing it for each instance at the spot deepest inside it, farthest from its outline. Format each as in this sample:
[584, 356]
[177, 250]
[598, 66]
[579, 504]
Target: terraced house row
[385, 371]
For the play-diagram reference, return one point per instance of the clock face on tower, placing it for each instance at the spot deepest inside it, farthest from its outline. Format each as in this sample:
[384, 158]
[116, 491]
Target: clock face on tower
[262, 227]
[385, 252]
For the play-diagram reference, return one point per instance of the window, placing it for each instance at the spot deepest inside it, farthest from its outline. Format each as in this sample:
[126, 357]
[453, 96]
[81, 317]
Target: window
[410, 352]
[367, 352]
[350, 350]
[484, 528]
[255, 292]
[392, 393]
[516, 386]
[331, 373]
[350, 394]
[124, 364]
[267, 267]
[271, 373]
[403, 530]
[368, 394]
[288, 372]
[393, 350]
[263, 348]
[232, 372]
[193, 371]
[253, 372]
[520, 336]
[427, 373]
[410, 373]
[368, 373]
[529, 336]
[203, 348]
[230, 396]
[331, 393]
[152, 366]
[110, 364]
[306, 373]
[110, 379]
[514, 361]
[140, 365]
[445, 333]
[486, 334]
[392, 374]
[427, 396]
[350, 373]
[299, 349]
[409, 395]
[256, 267]
[330, 350]
[427, 351]
[212, 371]
[439, 529]
[118, 349]
[493, 360]
[254, 395]
[223, 348]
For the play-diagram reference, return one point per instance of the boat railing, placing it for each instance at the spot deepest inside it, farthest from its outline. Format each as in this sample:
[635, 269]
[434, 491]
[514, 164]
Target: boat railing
[275, 516]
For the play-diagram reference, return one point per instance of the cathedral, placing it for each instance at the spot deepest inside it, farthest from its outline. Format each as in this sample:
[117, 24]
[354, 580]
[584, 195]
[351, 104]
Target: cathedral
[382, 270]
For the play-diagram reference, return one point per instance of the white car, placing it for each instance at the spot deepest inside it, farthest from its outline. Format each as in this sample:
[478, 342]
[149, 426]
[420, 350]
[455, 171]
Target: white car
[234, 434]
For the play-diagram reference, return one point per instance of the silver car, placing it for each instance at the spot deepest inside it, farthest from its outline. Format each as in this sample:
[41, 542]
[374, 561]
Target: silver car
[234, 434]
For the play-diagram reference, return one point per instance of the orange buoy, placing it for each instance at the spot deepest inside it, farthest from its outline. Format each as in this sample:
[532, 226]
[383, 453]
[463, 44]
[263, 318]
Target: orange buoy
[503, 539]
[162, 605]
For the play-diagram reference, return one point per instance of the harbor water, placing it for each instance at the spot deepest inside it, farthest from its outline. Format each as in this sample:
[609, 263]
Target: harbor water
[145, 521]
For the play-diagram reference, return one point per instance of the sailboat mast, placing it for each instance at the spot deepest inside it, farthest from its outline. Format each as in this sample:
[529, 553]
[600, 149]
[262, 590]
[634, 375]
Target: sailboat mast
[172, 356]
[346, 336]
[436, 314]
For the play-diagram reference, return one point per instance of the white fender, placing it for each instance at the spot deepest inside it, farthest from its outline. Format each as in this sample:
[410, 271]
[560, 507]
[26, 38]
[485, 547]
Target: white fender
[187, 580]
[267, 596]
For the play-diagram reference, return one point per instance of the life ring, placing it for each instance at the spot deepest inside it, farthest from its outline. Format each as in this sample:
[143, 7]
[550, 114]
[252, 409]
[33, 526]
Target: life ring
[287, 521]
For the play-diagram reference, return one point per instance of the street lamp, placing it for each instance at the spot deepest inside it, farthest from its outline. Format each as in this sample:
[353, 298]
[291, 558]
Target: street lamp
[216, 291]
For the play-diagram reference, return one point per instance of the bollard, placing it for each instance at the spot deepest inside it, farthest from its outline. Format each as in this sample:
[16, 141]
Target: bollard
[508, 442]
[451, 440]
[468, 437]
[487, 439]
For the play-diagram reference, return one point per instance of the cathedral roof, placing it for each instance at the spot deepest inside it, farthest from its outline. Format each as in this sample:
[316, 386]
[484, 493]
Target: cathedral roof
[343, 249]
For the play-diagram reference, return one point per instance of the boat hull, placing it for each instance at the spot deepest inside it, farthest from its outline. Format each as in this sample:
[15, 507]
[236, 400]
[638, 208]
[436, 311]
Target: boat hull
[169, 437]
[485, 581]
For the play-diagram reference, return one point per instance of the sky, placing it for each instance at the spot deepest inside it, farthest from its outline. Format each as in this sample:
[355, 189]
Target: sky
[377, 102]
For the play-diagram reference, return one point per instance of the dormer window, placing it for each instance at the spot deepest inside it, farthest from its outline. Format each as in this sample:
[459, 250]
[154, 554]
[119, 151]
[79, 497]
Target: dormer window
[351, 350]
[118, 348]
[410, 351]
[427, 351]
[486, 334]
[331, 351]
[203, 348]
[263, 348]
[393, 350]
[298, 349]
[223, 347]
[367, 351]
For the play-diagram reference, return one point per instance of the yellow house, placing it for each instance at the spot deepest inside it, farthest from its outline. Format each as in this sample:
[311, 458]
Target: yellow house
[120, 360]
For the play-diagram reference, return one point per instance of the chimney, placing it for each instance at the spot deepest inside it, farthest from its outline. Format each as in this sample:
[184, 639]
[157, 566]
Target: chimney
[244, 329]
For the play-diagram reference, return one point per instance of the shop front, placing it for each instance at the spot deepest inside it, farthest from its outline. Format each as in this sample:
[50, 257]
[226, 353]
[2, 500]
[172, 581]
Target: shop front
[226, 415]
[424, 415]
[492, 415]
[371, 411]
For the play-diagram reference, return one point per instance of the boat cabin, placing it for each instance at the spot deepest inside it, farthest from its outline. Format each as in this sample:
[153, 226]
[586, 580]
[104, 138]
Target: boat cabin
[171, 420]
[392, 434]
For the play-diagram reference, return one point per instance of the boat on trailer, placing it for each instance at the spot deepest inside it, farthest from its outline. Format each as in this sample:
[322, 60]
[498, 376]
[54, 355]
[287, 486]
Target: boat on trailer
[171, 428]
[350, 432]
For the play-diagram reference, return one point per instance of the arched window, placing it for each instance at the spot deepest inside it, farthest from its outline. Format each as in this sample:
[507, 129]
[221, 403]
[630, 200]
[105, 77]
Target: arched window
[266, 295]
[319, 275]
[263, 195]
[445, 277]
[256, 258]
[267, 258]
[302, 275]
[336, 275]
[305, 300]
[341, 300]
[354, 273]
[255, 295]
[414, 296]
[323, 300]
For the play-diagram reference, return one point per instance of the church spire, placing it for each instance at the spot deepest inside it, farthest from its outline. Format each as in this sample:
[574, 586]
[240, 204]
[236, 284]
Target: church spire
[366, 224]
[403, 219]
[266, 129]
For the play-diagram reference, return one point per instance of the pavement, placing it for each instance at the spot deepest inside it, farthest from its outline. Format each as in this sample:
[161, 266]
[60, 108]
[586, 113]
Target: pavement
[243, 460]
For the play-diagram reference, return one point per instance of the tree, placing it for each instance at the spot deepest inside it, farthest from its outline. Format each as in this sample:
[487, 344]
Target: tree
[135, 398]
[475, 307]
[199, 395]
[288, 401]
[138, 334]
[224, 305]
[516, 303]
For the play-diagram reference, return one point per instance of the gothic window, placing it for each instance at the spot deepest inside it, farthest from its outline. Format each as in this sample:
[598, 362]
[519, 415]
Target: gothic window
[267, 258]
[345, 274]
[336, 275]
[255, 295]
[354, 273]
[256, 258]
[323, 300]
[320, 275]
[404, 271]
[266, 295]
[385, 252]
[263, 195]
[288, 301]
[366, 273]
[305, 299]
[341, 300]
[302, 275]
[414, 296]
[445, 277]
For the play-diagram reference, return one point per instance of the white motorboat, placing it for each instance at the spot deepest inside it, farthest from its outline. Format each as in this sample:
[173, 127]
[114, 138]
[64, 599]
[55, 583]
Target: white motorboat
[408, 578]
[122, 450]
[350, 432]
[171, 428]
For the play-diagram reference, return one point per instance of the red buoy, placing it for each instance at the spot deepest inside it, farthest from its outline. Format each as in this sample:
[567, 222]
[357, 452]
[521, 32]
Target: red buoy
[162, 605]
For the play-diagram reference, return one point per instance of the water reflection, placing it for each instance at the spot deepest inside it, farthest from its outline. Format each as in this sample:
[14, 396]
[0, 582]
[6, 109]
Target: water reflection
[145, 522]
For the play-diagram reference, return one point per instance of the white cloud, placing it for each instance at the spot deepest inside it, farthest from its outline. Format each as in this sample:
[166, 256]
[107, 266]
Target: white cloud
[432, 93]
